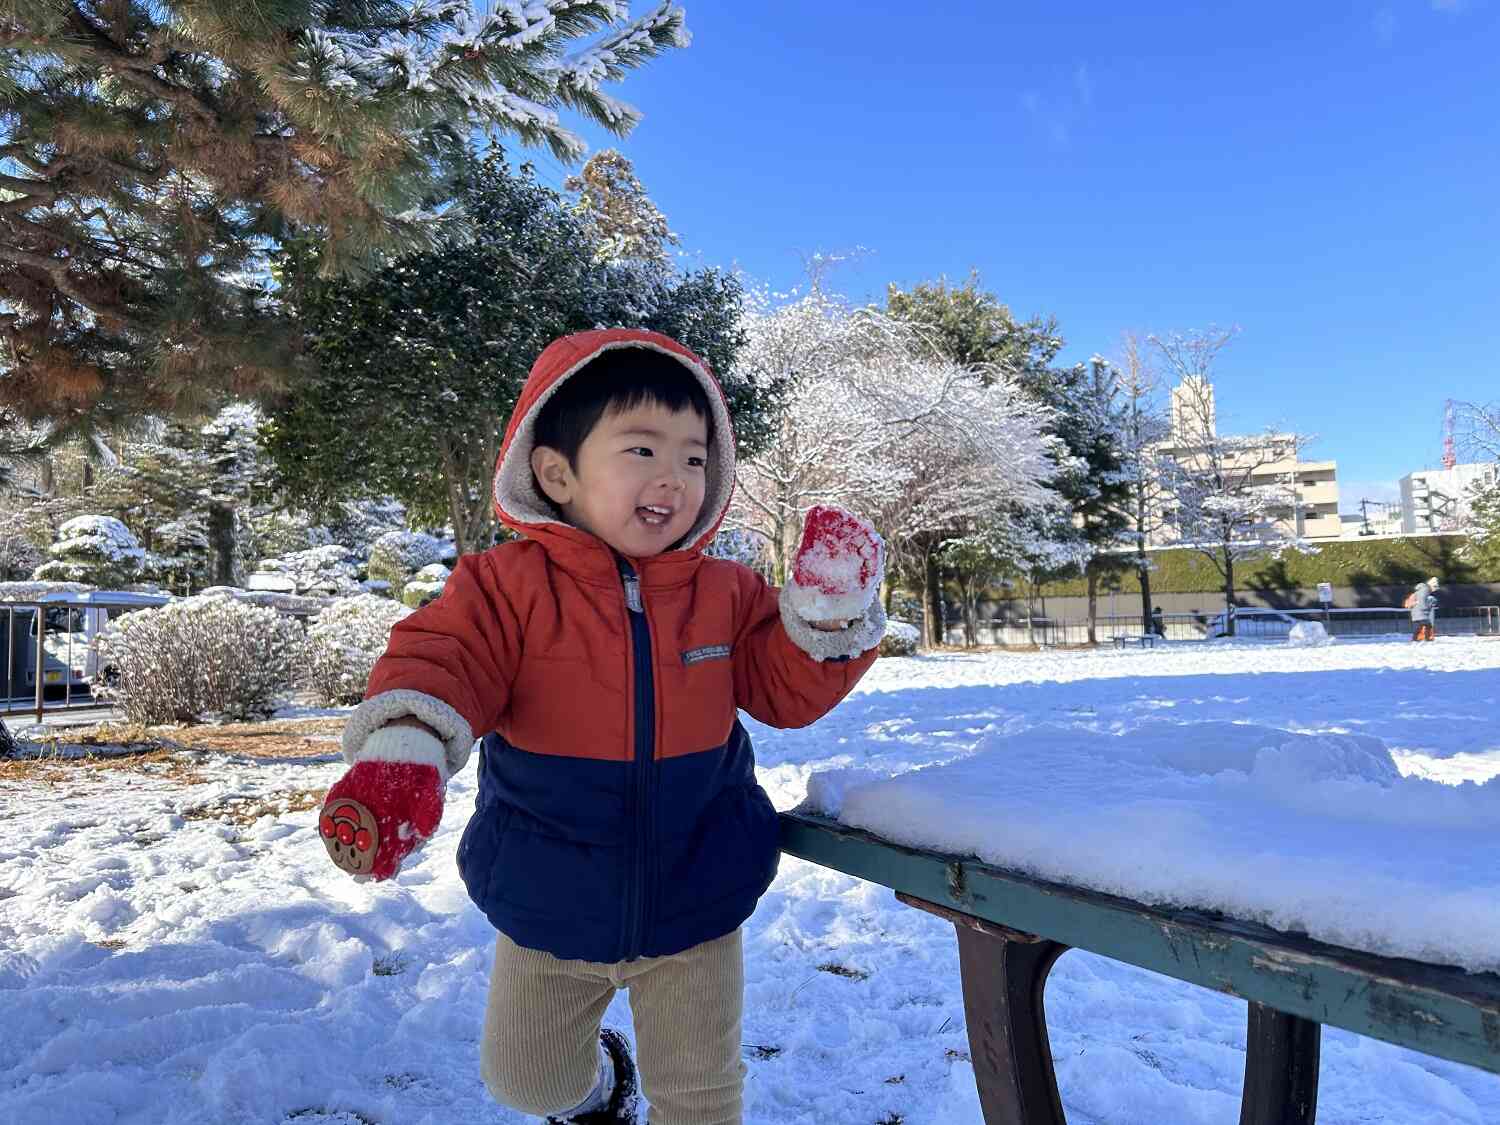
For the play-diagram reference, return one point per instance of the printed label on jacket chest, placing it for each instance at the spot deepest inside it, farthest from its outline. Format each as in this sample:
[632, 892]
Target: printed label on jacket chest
[707, 652]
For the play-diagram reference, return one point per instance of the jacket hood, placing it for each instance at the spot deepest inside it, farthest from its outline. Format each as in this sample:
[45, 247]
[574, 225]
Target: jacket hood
[521, 506]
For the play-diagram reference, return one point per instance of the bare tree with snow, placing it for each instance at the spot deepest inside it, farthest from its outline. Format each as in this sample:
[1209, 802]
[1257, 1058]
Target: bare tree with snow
[1228, 496]
[876, 420]
[1143, 436]
[824, 450]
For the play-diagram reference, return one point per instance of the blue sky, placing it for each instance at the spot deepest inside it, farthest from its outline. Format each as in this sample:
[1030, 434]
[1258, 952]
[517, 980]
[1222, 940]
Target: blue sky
[1325, 174]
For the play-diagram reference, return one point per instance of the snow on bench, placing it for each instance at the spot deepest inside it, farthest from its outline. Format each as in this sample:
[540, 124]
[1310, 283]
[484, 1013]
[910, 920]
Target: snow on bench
[1300, 872]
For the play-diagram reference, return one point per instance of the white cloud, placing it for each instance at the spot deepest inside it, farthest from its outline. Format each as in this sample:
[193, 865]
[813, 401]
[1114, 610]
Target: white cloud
[1385, 25]
[1084, 85]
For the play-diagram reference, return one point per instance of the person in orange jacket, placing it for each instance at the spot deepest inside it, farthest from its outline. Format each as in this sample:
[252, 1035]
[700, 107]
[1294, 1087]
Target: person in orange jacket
[619, 838]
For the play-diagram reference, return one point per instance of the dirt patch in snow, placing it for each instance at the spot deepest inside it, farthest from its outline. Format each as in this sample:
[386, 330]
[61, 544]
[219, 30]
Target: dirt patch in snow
[175, 751]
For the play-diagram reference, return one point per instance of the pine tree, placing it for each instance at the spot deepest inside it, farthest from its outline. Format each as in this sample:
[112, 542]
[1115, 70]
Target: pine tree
[418, 366]
[972, 327]
[151, 153]
[623, 220]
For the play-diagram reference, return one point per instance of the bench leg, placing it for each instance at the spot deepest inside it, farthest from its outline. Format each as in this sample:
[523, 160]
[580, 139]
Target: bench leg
[1003, 982]
[1281, 1069]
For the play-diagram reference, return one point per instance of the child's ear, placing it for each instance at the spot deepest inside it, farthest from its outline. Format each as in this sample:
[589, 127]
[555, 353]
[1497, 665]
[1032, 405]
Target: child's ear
[553, 473]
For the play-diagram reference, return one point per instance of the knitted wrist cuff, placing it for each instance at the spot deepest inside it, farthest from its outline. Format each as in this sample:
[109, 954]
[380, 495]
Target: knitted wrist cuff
[860, 637]
[404, 744]
[374, 713]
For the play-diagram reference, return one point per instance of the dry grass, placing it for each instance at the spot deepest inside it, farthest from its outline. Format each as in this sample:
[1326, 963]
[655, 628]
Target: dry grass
[283, 740]
[247, 810]
[174, 752]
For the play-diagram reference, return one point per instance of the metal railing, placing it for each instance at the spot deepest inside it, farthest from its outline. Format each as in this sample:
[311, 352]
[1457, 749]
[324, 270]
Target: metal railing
[34, 679]
[1250, 623]
[31, 668]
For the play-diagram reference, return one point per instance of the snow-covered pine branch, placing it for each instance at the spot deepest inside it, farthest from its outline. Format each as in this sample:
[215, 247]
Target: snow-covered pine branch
[506, 66]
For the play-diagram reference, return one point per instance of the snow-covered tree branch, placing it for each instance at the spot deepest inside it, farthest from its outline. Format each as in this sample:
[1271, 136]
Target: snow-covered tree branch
[876, 420]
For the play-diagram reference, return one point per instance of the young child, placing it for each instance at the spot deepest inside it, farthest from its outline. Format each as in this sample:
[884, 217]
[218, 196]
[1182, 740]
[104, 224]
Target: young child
[619, 837]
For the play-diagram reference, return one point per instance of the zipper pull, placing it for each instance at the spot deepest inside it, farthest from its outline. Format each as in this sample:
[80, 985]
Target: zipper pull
[633, 600]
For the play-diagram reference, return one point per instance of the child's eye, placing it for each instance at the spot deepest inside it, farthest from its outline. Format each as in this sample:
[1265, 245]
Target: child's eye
[697, 462]
[642, 450]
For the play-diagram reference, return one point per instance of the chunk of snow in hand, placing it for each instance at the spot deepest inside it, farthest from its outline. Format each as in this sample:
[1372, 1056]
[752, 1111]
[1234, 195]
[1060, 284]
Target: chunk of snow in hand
[838, 566]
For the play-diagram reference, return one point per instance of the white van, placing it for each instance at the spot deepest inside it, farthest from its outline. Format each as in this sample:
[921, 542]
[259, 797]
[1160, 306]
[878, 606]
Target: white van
[73, 621]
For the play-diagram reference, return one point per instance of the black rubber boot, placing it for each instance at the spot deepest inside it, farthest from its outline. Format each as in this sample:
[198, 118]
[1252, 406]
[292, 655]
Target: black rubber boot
[622, 1101]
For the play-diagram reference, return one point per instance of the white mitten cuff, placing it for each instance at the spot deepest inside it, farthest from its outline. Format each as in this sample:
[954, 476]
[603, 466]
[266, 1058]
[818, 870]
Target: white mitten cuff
[405, 744]
[860, 637]
[371, 716]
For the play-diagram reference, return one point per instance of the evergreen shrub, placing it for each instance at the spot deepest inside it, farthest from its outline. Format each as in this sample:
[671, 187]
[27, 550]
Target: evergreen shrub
[425, 585]
[397, 556]
[199, 658]
[900, 639]
[1360, 563]
[343, 643]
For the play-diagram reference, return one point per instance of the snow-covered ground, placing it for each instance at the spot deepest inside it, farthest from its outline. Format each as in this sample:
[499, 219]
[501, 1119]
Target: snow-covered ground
[159, 966]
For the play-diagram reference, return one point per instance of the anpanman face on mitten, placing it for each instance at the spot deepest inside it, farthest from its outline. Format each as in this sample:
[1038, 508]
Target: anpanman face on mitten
[350, 834]
[378, 813]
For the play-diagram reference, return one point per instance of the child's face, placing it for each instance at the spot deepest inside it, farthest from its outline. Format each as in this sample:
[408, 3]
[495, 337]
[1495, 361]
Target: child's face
[640, 479]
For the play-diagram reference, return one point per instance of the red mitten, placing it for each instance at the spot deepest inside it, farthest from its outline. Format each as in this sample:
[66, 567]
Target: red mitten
[838, 567]
[382, 809]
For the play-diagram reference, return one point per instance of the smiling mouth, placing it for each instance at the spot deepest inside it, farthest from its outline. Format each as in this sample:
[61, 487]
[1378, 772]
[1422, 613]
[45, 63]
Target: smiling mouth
[654, 514]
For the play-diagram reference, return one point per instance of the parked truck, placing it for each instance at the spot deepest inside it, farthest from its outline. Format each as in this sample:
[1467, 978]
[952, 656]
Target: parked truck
[72, 622]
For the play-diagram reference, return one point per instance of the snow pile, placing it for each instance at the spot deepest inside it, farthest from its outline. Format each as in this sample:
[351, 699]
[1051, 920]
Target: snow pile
[1313, 833]
[200, 657]
[343, 644]
[1308, 634]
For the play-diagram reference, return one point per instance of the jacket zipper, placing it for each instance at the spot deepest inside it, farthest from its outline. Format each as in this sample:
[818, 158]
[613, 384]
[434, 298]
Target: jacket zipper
[645, 745]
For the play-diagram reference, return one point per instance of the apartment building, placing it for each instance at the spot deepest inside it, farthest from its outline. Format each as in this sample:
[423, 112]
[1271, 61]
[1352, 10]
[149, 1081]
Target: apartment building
[1437, 499]
[1310, 489]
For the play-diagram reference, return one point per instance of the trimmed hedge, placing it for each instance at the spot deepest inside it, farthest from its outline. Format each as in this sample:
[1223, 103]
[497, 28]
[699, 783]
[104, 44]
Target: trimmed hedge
[1356, 563]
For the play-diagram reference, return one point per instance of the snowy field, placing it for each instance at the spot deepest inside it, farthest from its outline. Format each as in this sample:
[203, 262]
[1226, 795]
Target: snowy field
[164, 968]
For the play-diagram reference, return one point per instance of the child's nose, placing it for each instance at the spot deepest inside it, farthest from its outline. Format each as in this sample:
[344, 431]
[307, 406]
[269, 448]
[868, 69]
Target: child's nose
[673, 477]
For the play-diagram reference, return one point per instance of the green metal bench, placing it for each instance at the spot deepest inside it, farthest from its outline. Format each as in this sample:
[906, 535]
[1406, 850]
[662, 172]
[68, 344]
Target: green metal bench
[1140, 640]
[1012, 928]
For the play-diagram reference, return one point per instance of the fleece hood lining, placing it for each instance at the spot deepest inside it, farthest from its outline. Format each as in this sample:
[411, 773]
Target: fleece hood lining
[520, 502]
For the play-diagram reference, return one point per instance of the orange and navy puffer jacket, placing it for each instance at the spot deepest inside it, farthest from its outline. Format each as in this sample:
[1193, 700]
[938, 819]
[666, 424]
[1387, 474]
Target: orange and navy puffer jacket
[618, 814]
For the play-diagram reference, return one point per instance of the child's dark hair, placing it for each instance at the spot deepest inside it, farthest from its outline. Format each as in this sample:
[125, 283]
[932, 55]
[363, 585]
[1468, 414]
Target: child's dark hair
[617, 380]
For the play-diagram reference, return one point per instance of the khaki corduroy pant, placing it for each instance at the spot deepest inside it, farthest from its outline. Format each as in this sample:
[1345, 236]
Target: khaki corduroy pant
[540, 1052]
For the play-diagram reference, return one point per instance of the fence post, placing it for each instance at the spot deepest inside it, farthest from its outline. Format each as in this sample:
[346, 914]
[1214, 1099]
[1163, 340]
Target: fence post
[41, 658]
